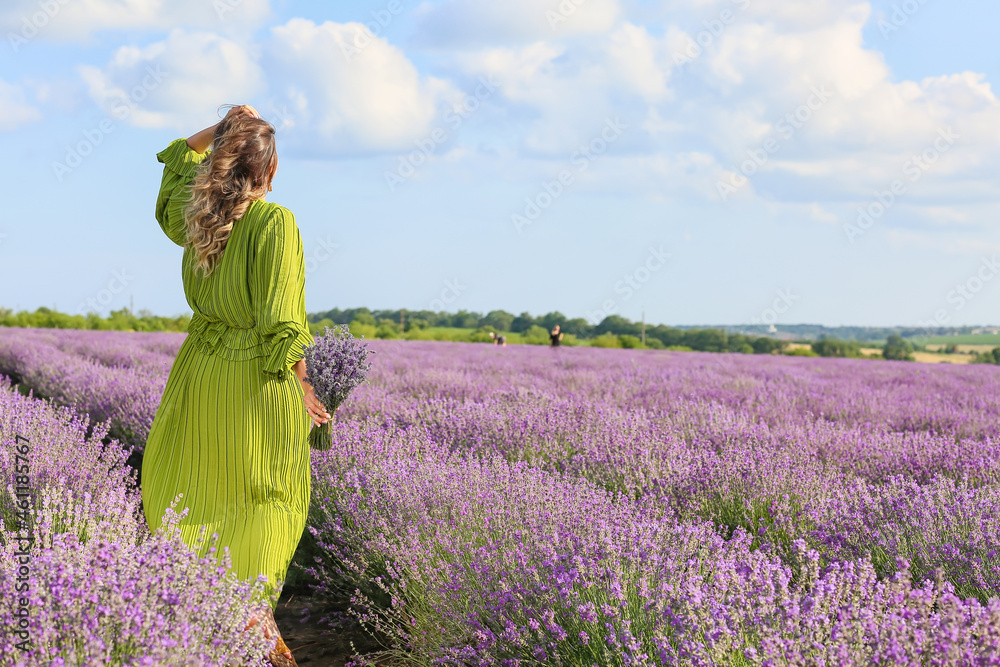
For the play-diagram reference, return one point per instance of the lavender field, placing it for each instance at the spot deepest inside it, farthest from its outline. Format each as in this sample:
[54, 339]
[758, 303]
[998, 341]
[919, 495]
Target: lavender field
[525, 506]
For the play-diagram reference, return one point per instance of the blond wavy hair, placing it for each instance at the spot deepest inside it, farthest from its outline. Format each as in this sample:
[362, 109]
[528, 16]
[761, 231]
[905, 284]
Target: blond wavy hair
[237, 171]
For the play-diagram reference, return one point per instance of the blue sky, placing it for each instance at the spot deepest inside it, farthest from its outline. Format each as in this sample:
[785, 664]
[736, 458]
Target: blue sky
[704, 161]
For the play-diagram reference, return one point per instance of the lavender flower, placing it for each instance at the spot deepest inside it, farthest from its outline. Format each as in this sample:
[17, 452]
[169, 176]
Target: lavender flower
[100, 588]
[603, 507]
[335, 366]
[112, 376]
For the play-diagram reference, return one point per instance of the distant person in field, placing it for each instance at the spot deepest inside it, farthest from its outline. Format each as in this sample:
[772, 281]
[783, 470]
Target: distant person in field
[556, 336]
[231, 432]
[498, 339]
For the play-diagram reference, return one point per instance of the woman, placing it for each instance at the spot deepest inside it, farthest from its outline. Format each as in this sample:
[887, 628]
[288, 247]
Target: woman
[556, 336]
[231, 431]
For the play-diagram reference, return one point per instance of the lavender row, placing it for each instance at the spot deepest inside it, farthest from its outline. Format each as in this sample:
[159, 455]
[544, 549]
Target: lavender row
[101, 590]
[698, 437]
[704, 441]
[835, 511]
[111, 376]
[481, 561]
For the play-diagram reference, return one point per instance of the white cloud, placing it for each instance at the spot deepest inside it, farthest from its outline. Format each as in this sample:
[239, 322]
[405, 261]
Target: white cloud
[337, 90]
[348, 91]
[755, 80]
[74, 20]
[14, 108]
[325, 101]
[562, 93]
[946, 244]
[474, 23]
[640, 61]
[944, 215]
[797, 16]
[871, 129]
[785, 15]
[818, 213]
[178, 83]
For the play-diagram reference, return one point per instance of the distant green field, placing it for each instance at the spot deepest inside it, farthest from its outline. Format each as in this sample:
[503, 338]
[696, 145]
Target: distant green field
[455, 334]
[969, 339]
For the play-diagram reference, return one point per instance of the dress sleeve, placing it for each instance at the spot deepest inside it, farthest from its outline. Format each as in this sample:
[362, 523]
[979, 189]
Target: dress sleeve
[180, 166]
[278, 295]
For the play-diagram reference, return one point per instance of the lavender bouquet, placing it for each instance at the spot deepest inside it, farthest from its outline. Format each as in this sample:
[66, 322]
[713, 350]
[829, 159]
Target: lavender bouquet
[335, 365]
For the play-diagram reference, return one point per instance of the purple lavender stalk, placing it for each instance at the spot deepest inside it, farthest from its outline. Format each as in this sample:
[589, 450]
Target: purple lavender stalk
[335, 366]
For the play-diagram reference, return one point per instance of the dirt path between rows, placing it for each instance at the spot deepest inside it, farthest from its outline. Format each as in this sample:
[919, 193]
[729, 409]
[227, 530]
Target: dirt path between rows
[316, 645]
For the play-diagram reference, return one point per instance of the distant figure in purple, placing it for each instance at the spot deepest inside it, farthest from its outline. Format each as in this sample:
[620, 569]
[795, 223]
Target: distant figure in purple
[556, 336]
[498, 340]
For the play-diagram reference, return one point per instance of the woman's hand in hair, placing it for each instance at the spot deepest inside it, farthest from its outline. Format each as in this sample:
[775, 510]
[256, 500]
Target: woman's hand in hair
[243, 108]
[201, 141]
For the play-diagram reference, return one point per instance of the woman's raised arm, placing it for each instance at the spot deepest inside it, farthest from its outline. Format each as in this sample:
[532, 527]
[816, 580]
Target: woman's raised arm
[201, 141]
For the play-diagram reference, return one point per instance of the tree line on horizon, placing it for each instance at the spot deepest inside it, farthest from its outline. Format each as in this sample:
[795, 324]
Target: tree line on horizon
[465, 326]
[117, 320]
[612, 331]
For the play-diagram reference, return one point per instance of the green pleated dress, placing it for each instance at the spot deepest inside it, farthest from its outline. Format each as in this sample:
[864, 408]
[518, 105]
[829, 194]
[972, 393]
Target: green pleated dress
[231, 432]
